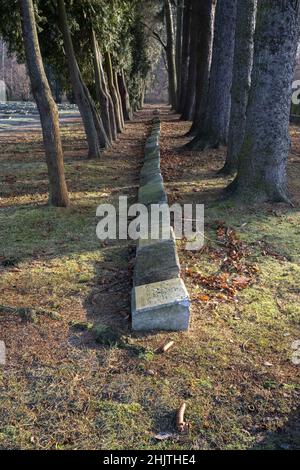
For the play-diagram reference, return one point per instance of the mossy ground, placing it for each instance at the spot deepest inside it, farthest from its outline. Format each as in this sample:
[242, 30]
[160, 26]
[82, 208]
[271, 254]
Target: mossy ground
[69, 384]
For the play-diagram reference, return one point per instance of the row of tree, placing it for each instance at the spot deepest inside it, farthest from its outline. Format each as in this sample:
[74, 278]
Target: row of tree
[231, 65]
[94, 47]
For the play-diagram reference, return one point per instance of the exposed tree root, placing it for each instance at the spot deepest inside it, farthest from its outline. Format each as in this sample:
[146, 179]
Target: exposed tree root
[237, 191]
[201, 144]
[226, 170]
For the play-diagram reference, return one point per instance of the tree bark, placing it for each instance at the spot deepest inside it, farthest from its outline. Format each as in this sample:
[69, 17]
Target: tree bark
[101, 95]
[102, 136]
[112, 115]
[204, 53]
[58, 193]
[116, 83]
[185, 53]
[215, 129]
[124, 96]
[189, 105]
[179, 28]
[263, 157]
[170, 53]
[113, 91]
[241, 82]
[81, 98]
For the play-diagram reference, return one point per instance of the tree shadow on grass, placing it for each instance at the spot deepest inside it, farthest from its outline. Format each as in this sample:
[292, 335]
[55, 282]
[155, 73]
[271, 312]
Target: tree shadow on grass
[285, 438]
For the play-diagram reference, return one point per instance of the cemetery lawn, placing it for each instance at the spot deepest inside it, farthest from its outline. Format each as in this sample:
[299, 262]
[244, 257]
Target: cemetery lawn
[76, 376]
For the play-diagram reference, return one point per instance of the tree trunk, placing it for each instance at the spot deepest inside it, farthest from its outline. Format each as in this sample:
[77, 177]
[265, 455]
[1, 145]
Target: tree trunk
[190, 101]
[58, 193]
[101, 95]
[241, 82]
[179, 27]
[116, 83]
[170, 53]
[185, 53]
[142, 97]
[263, 157]
[215, 129]
[204, 53]
[112, 115]
[113, 91]
[102, 136]
[78, 89]
[124, 96]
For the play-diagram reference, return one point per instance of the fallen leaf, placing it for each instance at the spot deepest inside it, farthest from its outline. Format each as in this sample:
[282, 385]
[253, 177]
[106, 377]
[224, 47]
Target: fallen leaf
[203, 298]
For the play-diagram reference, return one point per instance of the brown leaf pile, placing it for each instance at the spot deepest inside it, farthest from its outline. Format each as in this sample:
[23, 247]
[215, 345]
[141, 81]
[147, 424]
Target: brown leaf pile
[236, 271]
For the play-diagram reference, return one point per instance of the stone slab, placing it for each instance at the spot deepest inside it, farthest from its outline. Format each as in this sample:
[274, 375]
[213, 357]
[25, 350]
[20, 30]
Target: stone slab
[152, 155]
[153, 138]
[2, 353]
[152, 141]
[152, 178]
[152, 149]
[150, 167]
[151, 164]
[161, 306]
[156, 120]
[155, 133]
[145, 242]
[149, 175]
[152, 193]
[159, 262]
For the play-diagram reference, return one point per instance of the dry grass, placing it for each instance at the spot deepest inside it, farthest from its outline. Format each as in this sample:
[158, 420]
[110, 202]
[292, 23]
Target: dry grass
[83, 380]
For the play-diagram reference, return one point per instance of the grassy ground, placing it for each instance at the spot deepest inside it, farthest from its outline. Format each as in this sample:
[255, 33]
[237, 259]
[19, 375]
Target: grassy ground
[76, 376]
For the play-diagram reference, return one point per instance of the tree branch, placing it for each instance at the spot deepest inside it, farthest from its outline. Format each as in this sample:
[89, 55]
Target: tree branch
[155, 35]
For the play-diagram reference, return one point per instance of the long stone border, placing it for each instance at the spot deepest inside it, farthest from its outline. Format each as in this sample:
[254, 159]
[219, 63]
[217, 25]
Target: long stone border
[159, 299]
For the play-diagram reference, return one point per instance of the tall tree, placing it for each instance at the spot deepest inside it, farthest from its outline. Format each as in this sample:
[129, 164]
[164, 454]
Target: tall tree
[204, 53]
[215, 129]
[263, 157]
[179, 39]
[116, 83]
[170, 53]
[58, 194]
[124, 96]
[186, 23]
[241, 82]
[102, 97]
[113, 92]
[95, 133]
[112, 114]
[190, 99]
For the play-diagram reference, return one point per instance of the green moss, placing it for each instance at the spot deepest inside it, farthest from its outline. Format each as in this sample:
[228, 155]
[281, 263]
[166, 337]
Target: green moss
[106, 336]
